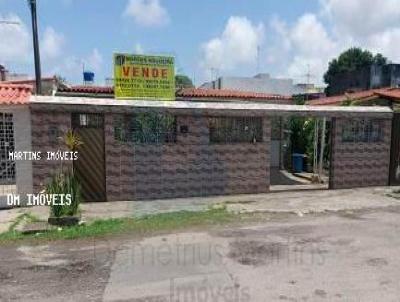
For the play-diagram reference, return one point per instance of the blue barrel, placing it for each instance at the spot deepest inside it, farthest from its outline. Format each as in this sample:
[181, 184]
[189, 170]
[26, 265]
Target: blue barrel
[297, 162]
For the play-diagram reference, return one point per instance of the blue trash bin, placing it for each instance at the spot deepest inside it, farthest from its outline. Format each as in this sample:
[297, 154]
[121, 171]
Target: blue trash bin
[297, 162]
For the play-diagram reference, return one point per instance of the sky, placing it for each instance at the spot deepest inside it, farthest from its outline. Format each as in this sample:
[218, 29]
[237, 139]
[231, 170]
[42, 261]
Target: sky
[208, 38]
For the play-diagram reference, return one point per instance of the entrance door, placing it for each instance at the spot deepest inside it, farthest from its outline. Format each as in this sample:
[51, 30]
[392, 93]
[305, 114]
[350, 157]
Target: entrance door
[395, 150]
[90, 166]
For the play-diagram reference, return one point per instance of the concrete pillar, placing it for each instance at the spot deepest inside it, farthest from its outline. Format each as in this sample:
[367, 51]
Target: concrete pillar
[23, 142]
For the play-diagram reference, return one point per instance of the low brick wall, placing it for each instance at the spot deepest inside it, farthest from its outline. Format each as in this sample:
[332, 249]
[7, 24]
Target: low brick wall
[190, 167]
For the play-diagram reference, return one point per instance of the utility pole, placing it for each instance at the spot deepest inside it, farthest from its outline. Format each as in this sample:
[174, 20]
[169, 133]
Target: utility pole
[38, 76]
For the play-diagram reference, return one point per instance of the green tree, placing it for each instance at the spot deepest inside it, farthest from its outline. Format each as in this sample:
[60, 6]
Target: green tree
[351, 60]
[183, 81]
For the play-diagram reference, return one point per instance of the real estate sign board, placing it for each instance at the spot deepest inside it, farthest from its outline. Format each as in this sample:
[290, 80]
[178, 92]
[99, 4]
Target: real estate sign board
[144, 77]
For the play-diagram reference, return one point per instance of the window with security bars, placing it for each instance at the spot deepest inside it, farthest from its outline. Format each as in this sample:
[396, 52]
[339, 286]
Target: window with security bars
[87, 120]
[225, 130]
[145, 128]
[7, 166]
[363, 131]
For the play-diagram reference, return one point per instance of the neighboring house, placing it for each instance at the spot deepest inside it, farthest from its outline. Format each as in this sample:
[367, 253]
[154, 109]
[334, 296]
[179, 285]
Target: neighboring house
[5, 75]
[49, 84]
[366, 78]
[389, 97]
[262, 83]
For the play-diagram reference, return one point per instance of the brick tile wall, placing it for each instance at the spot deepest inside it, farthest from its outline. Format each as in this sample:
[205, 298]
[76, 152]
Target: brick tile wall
[41, 122]
[359, 164]
[190, 167]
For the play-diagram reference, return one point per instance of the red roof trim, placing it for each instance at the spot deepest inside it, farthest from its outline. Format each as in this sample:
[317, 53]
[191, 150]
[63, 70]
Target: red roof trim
[228, 94]
[185, 93]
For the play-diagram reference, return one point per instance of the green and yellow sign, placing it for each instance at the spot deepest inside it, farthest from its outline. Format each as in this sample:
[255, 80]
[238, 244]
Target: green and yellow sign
[144, 77]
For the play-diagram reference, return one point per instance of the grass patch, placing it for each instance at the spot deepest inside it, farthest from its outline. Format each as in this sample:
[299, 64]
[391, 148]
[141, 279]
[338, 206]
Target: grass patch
[139, 226]
[26, 216]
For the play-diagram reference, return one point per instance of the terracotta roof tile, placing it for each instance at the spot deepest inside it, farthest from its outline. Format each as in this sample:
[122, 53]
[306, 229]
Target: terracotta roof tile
[337, 100]
[12, 94]
[229, 94]
[393, 93]
[88, 89]
[191, 93]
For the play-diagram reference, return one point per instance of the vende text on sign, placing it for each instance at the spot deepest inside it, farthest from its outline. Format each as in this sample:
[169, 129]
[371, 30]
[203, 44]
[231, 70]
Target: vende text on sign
[144, 77]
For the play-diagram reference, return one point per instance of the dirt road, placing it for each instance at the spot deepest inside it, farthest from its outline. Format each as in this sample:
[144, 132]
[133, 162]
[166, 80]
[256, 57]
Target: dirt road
[351, 256]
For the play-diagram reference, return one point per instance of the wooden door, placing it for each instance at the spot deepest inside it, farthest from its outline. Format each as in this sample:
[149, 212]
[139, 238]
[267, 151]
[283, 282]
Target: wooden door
[90, 166]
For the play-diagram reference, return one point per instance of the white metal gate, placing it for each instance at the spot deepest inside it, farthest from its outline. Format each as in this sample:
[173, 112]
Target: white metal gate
[7, 166]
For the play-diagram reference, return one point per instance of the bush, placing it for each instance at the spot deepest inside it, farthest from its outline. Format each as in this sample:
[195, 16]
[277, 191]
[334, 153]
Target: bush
[65, 184]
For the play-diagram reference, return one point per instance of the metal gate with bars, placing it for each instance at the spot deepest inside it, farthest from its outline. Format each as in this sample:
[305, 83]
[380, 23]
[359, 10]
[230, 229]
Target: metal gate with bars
[7, 166]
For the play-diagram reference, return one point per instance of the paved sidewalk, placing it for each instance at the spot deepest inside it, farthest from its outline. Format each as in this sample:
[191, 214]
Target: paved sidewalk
[300, 202]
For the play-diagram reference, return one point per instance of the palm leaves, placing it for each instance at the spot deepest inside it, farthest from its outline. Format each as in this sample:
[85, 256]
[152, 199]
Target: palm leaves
[66, 182]
[72, 140]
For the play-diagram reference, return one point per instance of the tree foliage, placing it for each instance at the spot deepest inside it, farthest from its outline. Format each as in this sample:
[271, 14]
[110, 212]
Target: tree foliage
[351, 60]
[183, 81]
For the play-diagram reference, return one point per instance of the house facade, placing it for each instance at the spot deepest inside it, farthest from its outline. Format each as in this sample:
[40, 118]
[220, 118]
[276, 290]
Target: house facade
[204, 148]
[141, 150]
[371, 77]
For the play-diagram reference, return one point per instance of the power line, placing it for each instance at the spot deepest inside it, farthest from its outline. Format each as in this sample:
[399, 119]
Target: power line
[6, 22]
[309, 75]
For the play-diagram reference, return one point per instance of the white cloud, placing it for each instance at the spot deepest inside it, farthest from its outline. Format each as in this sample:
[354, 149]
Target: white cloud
[310, 38]
[362, 17]
[147, 12]
[314, 39]
[139, 48]
[312, 48]
[15, 40]
[309, 43]
[386, 42]
[71, 66]
[52, 43]
[237, 45]
[95, 60]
